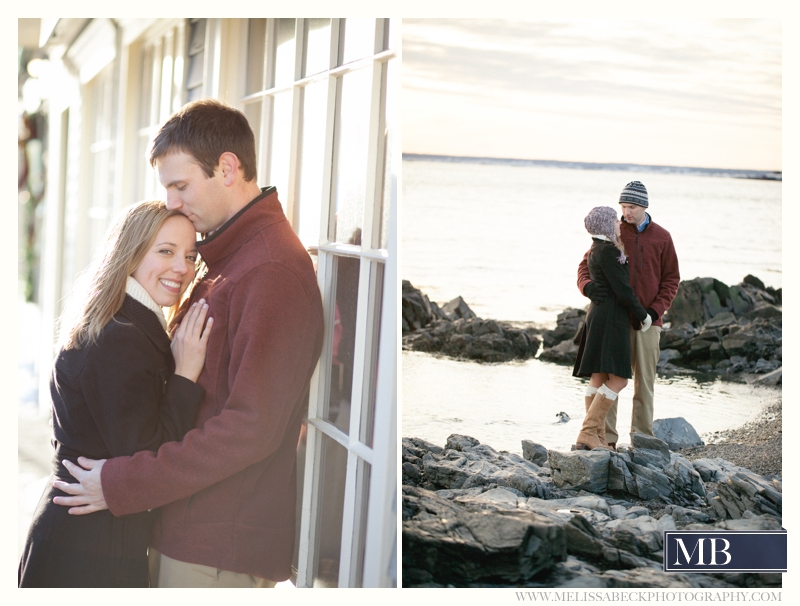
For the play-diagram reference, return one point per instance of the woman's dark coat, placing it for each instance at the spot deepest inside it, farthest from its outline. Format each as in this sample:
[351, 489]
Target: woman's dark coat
[113, 398]
[605, 340]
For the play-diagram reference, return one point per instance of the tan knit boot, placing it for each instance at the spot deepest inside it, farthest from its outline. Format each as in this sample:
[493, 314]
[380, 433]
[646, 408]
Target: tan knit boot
[595, 418]
[601, 431]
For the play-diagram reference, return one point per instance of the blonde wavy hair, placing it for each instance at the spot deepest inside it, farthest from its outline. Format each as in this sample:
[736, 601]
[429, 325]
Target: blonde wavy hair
[126, 243]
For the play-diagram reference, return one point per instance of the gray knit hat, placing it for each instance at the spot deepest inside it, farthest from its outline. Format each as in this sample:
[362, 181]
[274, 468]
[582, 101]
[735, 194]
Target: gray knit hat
[600, 222]
[634, 193]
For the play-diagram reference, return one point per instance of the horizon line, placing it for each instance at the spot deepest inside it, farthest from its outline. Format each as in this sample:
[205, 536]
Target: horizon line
[413, 155]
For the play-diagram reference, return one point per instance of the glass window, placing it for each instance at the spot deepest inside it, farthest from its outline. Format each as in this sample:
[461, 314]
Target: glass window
[196, 57]
[316, 139]
[352, 142]
[146, 90]
[344, 342]
[257, 35]
[318, 46]
[373, 347]
[315, 99]
[252, 112]
[284, 51]
[360, 522]
[359, 39]
[332, 470]
[281, 144]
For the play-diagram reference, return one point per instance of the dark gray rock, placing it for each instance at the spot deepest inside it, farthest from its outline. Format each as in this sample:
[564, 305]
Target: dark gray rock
[678, 337]
[533, 452]
[721, 320]
[639, 535]
[580, 469]
[650, 483]
[465, 463]
[710, 325]
[620, 478]
[490, 524]
[676, 432]
[649, 450]
[687, 484]
[566, 352]
[458, 442]
[471, 545]
[455, 331]
[667, 356]
[568, 323]
[739, 490]
[696, 302]
[457, 308]
[772, 379]
[416, 308]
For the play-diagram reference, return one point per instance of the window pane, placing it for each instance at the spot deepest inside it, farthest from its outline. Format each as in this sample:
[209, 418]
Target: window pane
[146, 92]
[252, 112]
[359, 39]
[194, 73]
[284, 51]
[352, 141]
[318, 46]
[373, 347]
[194, 93]
[195, 58]
[344, 340]
[256, 36]
[315, 97]
[141, 168]
[281, 144]
[332, 475]
[360, 530]
[197, 36]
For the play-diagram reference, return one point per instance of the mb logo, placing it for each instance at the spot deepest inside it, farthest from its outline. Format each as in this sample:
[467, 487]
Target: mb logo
[725, 551]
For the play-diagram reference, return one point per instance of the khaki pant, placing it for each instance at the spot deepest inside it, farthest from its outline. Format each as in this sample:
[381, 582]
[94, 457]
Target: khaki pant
[645, 352]
[166, 572]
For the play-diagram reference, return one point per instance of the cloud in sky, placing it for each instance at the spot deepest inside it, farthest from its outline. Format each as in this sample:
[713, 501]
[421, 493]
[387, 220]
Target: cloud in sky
[676, 92]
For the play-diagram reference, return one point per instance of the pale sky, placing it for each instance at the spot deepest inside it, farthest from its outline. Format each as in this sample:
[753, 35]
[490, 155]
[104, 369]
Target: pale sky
[677, 92]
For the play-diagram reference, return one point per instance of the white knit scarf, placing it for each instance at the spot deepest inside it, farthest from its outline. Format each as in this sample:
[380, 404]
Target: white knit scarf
[137, 291]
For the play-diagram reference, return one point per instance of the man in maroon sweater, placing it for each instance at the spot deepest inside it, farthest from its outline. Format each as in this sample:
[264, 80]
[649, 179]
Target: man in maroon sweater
[654, 277]
[227, 490]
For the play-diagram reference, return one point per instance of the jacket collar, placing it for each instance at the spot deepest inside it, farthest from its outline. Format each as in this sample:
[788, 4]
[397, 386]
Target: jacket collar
[146, 321]
[647, 221]
[263, 210]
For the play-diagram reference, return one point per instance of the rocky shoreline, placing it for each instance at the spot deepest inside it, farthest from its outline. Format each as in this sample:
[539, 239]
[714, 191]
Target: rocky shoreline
[731, 331]
[475, 517]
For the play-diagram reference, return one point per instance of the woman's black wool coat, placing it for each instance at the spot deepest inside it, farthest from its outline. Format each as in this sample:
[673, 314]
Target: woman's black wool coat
[605, 344]
[110, 399]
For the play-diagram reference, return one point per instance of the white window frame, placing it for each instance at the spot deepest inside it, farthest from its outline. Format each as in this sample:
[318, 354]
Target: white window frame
[379, 505]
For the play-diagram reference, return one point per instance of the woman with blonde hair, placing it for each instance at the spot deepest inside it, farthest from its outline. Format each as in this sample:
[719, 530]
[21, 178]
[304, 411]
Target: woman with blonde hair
[119, 385]
[604, 353]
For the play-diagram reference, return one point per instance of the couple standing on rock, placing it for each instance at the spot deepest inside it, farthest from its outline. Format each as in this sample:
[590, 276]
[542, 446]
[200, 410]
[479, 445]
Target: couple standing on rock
[631, 276]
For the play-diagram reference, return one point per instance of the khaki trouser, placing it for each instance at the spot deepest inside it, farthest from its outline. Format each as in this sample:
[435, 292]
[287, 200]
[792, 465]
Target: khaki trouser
[166, 572]
[645, 352]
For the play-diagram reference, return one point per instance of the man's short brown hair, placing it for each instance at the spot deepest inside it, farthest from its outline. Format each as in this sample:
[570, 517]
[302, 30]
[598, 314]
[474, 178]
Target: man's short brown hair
[205, 129]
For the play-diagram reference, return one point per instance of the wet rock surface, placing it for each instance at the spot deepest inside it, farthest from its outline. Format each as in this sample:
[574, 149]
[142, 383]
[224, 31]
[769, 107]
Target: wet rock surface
[455, 331]
[476, 517]
[725, 329]
[732, 331]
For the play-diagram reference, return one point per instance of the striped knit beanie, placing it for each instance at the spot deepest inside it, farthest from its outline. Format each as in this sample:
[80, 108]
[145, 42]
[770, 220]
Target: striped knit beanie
[634, 193]
[600, 222]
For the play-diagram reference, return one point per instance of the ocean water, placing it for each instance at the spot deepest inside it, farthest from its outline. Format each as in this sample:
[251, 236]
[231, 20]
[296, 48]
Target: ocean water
[508, 238]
